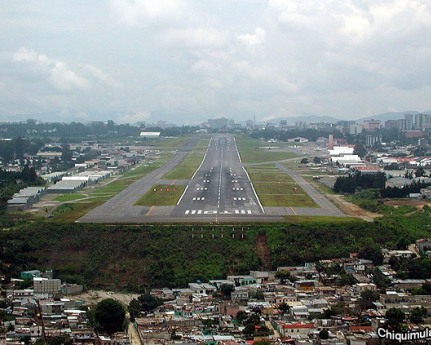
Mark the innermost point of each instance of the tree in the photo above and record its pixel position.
(367, 298)
(284, 308)
(420, 172)
(417, 315)
(134, 309)
(324, 334)
(110, 315)
(372, 253)
(241, 316)
(394, 317)
(360, 150)
(283, 275)
(149, 302)
(226, 290)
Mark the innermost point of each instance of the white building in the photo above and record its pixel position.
(45, 285)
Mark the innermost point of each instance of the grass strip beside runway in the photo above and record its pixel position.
(188, 166)
(257, 151)
(277, 189)
(161, 195)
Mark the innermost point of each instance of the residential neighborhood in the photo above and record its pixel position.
(336, 301)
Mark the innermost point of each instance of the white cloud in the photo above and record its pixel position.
(253, 39)
(195, 38)
(134, 117)
(235, 57)
(149, 12)
(60, 76)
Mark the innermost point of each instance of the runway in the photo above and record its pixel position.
(220, 191)
(220, 187)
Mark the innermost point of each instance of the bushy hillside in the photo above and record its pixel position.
(137, 257)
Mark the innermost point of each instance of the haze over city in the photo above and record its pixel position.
(185, 61)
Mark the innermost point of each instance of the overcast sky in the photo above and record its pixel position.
(185, 61)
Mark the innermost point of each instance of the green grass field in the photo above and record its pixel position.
(188, 166)
(161, 195)
(168, 143)
(69, 197)
(251, 151)
(277, 189)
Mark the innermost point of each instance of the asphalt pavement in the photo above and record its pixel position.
(220, 191)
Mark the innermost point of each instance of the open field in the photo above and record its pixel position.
(320, 219)
(69, 197)
(277, 189)
(188, 166)
(168, 143)
(161, 195)
(252, 151)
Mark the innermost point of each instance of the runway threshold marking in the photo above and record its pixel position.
(150, 210)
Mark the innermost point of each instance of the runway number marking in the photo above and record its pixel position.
(210, 212)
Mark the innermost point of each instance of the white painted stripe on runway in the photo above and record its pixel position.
(249, 211)
(234, 199)
(254, 191)
(187, 212)
(203, 198)
(242, 211)
(179, 200)
(236, 211)
(205, 156)
(200, 211)
(193, 211)
(194, 199)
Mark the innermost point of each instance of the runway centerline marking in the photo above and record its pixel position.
(220, 178)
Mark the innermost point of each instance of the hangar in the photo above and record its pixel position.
(150, 135)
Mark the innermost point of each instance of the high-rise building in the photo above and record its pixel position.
(372, 125)
(331, 142)
(402, 124)
(389, 124)
(421, 120)
(409, 121)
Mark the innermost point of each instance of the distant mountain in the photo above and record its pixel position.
(304, 118)
(392, 115)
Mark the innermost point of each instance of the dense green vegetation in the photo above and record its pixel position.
(349, 184)
(139, 257)
(11, 182)
(110, 316)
